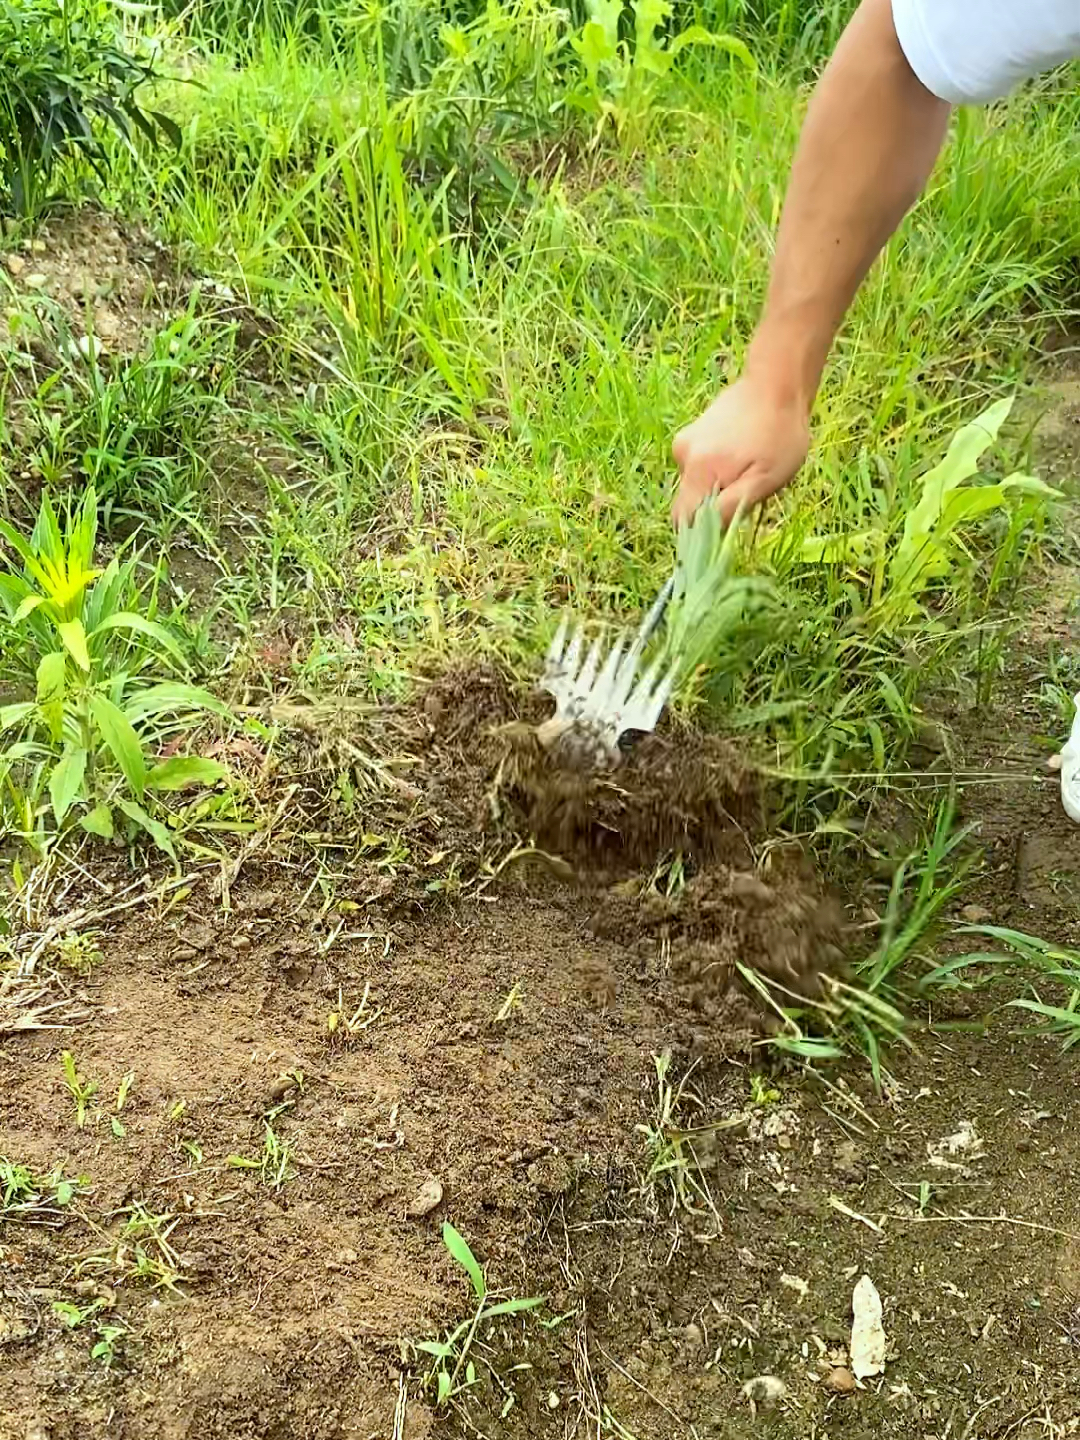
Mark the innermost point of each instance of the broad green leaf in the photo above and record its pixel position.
(434, 1347)
(119, 735)
(27, 607)
(595, 49)
(11, 715)
(512, 1307)
(444, 1387)
(698, 35)
(127, 620)
(960, 463)
(607, 14)
(74, 637)
(51, 676)
(181, 770)
(465, 1258)
(856, 548)
(65, 782)
(154, 828)
(649, 16)
(173, 698)
(98, 821)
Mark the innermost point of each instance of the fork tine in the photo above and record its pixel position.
(655, 615)
(555, 649)
(588, 670)
(625, 676)
(604, 686)
(638, 702)
(662, 694)
(573, 652)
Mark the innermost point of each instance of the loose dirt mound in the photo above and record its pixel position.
(664, 849)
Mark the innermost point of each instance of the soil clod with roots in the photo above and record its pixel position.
(668, 850)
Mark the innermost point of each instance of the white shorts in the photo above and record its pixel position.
(971, 51)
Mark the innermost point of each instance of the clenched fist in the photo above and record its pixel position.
(746, 446)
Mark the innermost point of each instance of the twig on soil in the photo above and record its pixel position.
(81, 918)
(965, 1219)
(399, 1410)
(837, 1204)
(592, 1407)
(230, 869)
(843, 1095)
(22, 1007)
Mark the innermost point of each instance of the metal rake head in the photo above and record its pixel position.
(603, 698)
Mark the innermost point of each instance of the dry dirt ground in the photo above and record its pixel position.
(246, 1227)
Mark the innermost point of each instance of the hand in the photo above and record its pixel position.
(747, 445)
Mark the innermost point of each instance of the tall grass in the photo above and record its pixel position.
(522, 315)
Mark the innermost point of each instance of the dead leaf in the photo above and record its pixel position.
(867, 1331)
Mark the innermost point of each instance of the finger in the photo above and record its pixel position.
(680, 446)
(701, 480)
(752, 487)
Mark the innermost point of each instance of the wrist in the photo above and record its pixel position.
(785, 360)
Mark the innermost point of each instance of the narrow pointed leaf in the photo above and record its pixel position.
(65, 782)
(182, 770)
(154, 828)
(459, 1249)
(119, 735)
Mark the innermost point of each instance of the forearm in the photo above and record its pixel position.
(871, 136)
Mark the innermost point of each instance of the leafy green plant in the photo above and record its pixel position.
(864, 1017)
(106, 1335)
(708, 598)
(81, 1090)
(1054, 964)
(275, 1164)
(88, 736)
(620, 77)
(65, 71)
(137, 428)
(669, 1146)
(140, 1249)
(922, 885)
(454, 1370)
(495, 86)
(29, 1197)
(933, 539)
(76, 950)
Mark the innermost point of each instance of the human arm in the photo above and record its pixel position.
(869, 142)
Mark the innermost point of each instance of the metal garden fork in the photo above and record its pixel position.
(596, 704)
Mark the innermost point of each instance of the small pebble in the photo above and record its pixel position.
(975, 914)
(36, 281)
(15, 264)
(840, 1381)
(428, 1198)
(764, 1390)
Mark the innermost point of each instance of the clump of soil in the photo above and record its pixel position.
(786, 931)
(665, 847)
